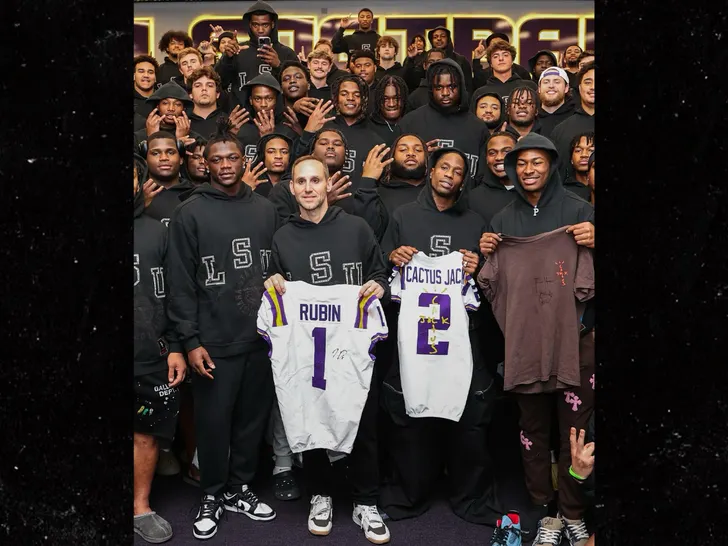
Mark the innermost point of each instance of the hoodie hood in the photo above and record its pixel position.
(463, 105)
(479, 94)
(425, 197)
(265, 7)
(553, 184)
(206, 189)
(532, 60)
(449, 46)
(265, 79)
(170, 90)
(330, 216)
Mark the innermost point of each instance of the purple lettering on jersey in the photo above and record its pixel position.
(319, 358)
(322, 312)
(427, 324)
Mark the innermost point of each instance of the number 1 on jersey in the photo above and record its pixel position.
(319, 358)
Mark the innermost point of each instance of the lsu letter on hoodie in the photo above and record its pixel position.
(238, 70)
(341, 249)
(431, 231)
(456, 126)
(219, 251)
(153, 337)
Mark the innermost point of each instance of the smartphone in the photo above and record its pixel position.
(263, 40)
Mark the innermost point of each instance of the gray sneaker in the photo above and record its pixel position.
(549, 532)
(152, 528)
(575, 531)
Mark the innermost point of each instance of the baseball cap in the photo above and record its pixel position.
(555, 71)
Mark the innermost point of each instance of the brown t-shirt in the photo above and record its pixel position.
(537, 287)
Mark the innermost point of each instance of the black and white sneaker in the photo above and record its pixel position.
(368, 518)
(243, 501)
(208, 517)
(321, 515)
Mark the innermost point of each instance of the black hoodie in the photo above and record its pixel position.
(396, 70)
(562, 135)
(219, 250)
(490, 195)
(456, 128)
(245, 66)
(359, 39)
(168, 72)
(153, 338)
(550, 121)
(419, 97)
(462, 62)
(556, 207)
(503, 89)
(387, 130)
(264, 188)
(164, 203)
(340, 249)
(429, 230)
(169, 90)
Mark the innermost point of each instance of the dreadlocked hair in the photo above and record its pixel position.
(438, 69)
(363, 90)
(588, 135)
(223, 133)
(399, 84)
(522, 91)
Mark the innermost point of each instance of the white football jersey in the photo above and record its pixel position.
(321, 339)
(435, 362)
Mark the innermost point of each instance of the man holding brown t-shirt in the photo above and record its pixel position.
(536, 218)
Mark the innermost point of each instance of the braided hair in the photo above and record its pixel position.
(438, 69)
(363, 90)
(402, 90)
(223, 133)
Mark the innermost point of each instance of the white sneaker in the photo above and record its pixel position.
(167, 464)
(321, 516)
(368, 518)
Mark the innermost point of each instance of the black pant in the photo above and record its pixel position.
(231, 414)
(362, 465)
(419, 448)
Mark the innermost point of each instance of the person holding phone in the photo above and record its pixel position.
(261, 54)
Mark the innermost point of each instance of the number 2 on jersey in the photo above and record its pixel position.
(426, 325)
(319, 358)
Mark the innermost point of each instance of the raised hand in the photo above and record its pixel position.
(153, 121)
(265, 122)
(412, 50)
(375, 162)
(251, 174)
(238, 117)
(269, 56)
(292, 121)
(479, 51)
(348, 22)
(305, 105)
(339, 184)
(182, 126)
(432, 145)
(150, 189)
(318, 118)
(582, 456)
(302, 56)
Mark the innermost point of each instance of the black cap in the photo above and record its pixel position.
(495, 35)
(226, 34)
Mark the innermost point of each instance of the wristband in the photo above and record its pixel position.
(575, 475)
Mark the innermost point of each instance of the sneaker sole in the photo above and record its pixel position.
(320, 532)
(152, 540)
(372, 540)
(251, 516)
(203, 537)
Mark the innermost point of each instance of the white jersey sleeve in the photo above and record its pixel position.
(435, 358)
(321, 340)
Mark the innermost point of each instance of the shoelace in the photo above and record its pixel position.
(208, 507)
(500, 536)
(370, 514)
(577, 531)
(321, 506)
(548, 536)
(250, 497)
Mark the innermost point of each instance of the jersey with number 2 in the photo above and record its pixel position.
(321, 339)
(435, 362)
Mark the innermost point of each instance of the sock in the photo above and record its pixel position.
(279, 469)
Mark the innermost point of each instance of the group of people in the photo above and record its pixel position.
(262, 175)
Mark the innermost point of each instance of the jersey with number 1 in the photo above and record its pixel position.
(321, 340)
(435, 361)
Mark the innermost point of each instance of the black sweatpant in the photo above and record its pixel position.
(574, 407)
(361, 466)
(419, 448)
(231, 414)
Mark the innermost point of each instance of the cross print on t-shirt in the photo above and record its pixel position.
(561, 273)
